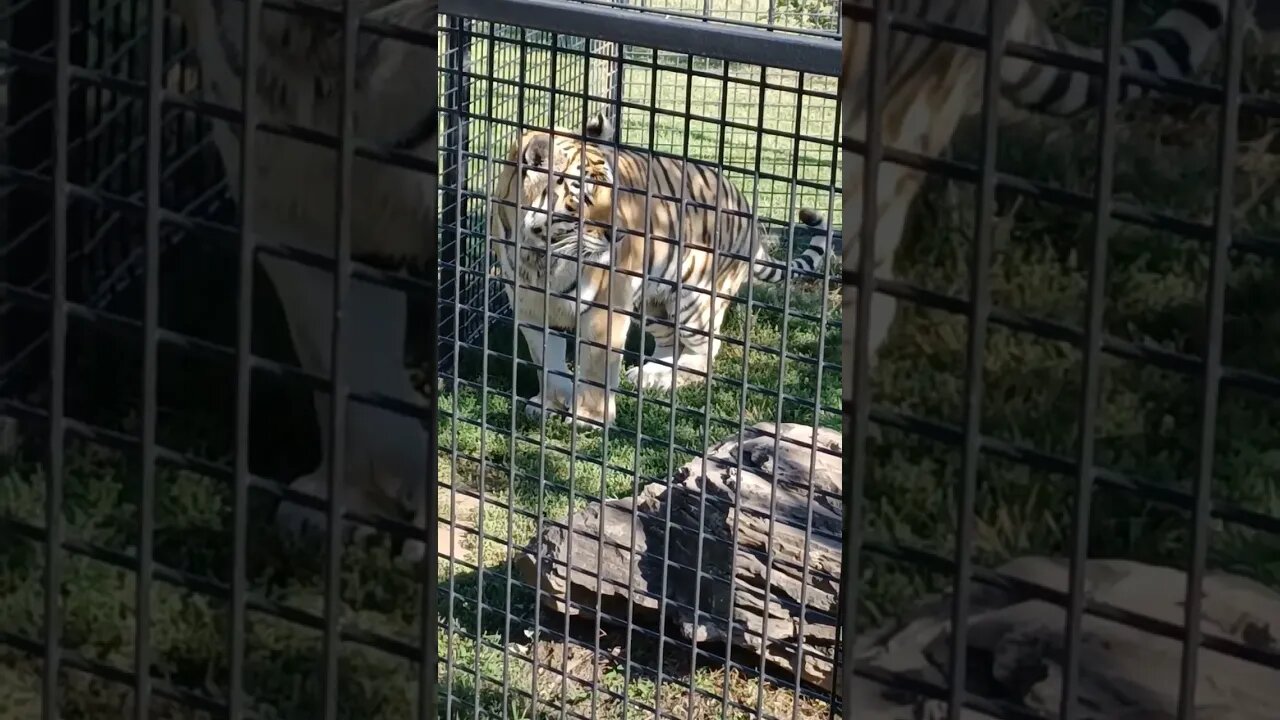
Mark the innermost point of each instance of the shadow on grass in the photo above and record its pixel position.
(489, 659)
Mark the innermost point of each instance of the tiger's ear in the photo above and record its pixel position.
(599, 127)
(537, 150)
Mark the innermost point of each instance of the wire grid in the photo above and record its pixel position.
(619, 85)
(1091, 468)
(465, 155)
(508, 477)
(80, 185)
(106, 250)
(1232, 377)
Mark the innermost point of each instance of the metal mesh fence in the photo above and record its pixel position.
(801, 17)
(1082, 368)
(105, 254)
(1049, 383)
(483, 72)
(508, 480)
(128, 303)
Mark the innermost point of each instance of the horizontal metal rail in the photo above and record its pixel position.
(720, 19)
(673, 34)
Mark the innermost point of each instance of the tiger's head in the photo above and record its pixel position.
(560, 181)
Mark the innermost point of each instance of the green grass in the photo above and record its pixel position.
(1147, 428)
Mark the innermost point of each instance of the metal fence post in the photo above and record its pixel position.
(455, 219)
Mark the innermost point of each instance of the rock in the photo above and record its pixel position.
(1016, 627)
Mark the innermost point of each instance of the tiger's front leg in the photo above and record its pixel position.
(548, 348)
(602, 335)
(384, 470)
(553, 370)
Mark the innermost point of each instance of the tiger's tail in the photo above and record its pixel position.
(807, 262)
(1175, 47)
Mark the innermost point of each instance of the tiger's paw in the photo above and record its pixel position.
(557, 394)
(658, 376)
(297, 522)
(557, 403)
(652, 376)
(555, 400)
(536, 407)
(303, 526)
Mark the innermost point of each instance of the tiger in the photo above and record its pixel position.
(605, 188)
(298, 73)
(931, 85)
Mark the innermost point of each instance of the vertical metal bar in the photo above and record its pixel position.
(487, 305)
(824, 318)
(645, 259)
(454, 215)
(150, 322)
(797, 131)
(338, 386)
(57, 364)
(516, 236)
(490, 142)
(1216, 301)
(517, 232)
(244, 359)
(461, 41)
(612, 234)
(428, 674)
(608, 352)
(979, 311)
(670, 465)
(552, 174)
(614, 239)
(1095, 307)
(857, 407)
(782, 368)
(681, 289)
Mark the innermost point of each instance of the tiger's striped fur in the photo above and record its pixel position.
(598, 184)
(931, 85)
(297, 74)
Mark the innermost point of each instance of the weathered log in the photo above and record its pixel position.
(760, 578)
(736, 580)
